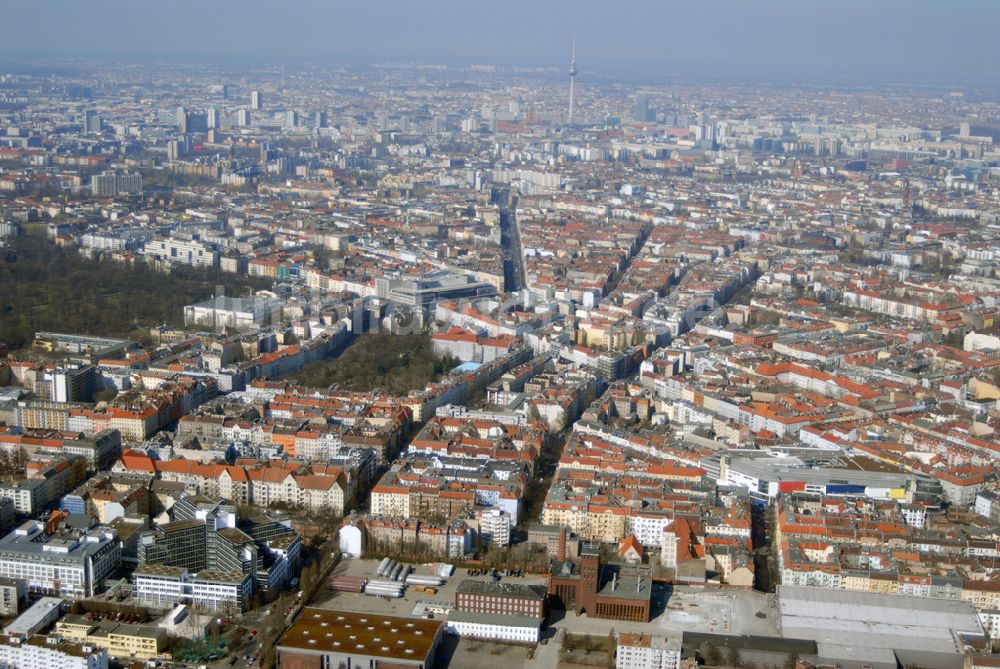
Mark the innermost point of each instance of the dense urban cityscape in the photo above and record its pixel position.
(409, 366)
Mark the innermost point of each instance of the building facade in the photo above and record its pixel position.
(511, 629)
(642, 651)
(503, 599)
(599, 590)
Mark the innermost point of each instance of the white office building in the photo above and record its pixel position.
(233, 313)
(182, 252)
(163, 586)
(516, 629)
(221, 591)
(160, 585)
(70, 563)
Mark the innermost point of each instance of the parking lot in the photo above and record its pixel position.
(719, 611)
(458, 653)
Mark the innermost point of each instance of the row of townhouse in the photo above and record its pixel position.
(890, 305)
(452, 539)
(607, 519)
(317, 487)
(815, 564)
(139, 415)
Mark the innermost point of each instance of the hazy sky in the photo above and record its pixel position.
(862, 40)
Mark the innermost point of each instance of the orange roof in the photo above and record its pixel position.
(137, 461)
(630, 543)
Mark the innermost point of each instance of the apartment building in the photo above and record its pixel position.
(41, 652)
(644, 651)
(122, 641)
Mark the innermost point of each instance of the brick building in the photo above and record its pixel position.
(600, 590)
(511, 599)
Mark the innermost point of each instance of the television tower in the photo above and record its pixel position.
(572, 79)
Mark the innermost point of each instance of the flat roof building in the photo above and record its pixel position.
(235, 313)
(642, 651)
(749, 649)
(500, 599)
(321, 638)
(853, 628)
(123, 641)
(37, 617)
(51, 653)
(207, 590)
(432, 287)
(513, 629)
(83, 347)
(70, 562)
(12, 594)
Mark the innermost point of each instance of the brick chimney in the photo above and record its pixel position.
(561, 548)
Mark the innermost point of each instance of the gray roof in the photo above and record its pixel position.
(37, 612)
(793, 469)
(850, 626)
(519, 590)
(229, 577)
(71, 547)
(160, 570)
(627, 585)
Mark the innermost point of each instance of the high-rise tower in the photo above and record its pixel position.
(572, 79)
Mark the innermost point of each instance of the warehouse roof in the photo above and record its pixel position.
(324, 631)
(861, 626)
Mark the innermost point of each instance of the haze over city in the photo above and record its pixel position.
(850, 41)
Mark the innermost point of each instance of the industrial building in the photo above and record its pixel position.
(322, 639)
(39, 616)
(854, 629)
(508, 599)
(750, 649)
(600, 590)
